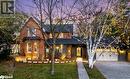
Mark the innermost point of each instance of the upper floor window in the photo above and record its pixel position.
(50, 35)
(67, 35)
(31, 32)
(61, 35)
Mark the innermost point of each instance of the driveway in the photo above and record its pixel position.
(114, 70)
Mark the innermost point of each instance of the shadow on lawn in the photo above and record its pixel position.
(40, 71)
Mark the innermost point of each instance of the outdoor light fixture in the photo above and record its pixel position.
(17, 59)
(69, 51)
(62, 62)
(122, 51)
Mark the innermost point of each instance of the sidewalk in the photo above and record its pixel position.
(81, 70)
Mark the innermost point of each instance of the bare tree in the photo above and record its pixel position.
(53, 13)
(93, 23)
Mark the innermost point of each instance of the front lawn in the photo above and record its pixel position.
(93, 73)
(42, 71)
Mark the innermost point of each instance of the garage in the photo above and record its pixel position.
(106, 55)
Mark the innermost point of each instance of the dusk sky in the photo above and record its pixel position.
(27, 6)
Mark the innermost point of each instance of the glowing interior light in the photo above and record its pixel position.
(57, 47)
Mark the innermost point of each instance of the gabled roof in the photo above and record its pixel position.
(57, 27)
(30, 18)
(65, 28)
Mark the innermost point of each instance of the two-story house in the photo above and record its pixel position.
(35, 42)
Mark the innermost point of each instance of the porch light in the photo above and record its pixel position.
(17, 59)
(122, 51)
(67, 61)
(73, 60)
(47, 59)
(70, 61)
(29, 58)
(69, 51)
(62, 62)
(56, 59)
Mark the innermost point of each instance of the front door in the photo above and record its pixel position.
(79, 52)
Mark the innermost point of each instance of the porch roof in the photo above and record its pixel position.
(65, 41)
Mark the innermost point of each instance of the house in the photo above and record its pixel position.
(34, 45)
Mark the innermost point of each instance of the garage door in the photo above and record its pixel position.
(107, 56)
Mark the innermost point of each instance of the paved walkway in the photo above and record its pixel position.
(114, 70)
(81, 70)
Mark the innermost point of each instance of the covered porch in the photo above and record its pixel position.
(67, 48)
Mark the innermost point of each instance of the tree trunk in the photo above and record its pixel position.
(90, 62)
(53, 60)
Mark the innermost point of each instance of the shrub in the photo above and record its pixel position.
(4, 55)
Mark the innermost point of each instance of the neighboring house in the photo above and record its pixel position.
(34, 46)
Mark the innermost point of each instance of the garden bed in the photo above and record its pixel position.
(93, 73)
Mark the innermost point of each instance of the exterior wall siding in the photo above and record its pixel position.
(31, 23)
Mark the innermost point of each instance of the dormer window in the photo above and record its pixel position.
(31, 32)
(50, 35)
(61, 35)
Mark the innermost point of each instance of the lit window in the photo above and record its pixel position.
(50, 35)
(57, 48)
(47, 50)
(31, 32)
(35, 47)
(61, 35)
(29, 47)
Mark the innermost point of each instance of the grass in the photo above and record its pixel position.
(93, 73)
(42, 71)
